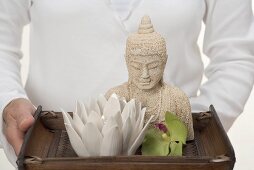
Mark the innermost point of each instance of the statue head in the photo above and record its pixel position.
(146, 56)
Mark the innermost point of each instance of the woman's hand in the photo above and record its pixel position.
(18, 117)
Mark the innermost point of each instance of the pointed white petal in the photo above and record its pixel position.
(78, 109)
(66, 116)
(95, 118)
(133, 108)
(118, 119)
(127, 129)
(122, 104)
(94, 106)
(81, 111)
(132, 114)
(142, 116)
(92, 139)
(126, 112)
(76, 141)
(112, 142)
(138, 108)
(138, 141)
(138, 120)
(110, 122)
(114, 96)
(87, 105)
(111, 107)
(137, 125)
(101, 101)
(77, 124)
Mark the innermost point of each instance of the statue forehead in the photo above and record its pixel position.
(148, 56)
(145, 58)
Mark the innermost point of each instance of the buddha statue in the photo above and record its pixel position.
(146, 57)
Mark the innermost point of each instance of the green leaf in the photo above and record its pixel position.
(170, 116)
(154, 144)
(176, 149)
(177, 129)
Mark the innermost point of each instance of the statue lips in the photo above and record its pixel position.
(145, 83)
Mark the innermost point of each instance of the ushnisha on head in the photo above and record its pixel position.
(146, 56)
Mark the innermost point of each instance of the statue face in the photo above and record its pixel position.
(145, 71)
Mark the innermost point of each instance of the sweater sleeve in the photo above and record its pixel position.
(14, 14)
(228, 42)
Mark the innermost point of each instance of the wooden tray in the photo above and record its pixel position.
(47, 147)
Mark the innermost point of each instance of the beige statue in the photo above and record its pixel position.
(146, 57)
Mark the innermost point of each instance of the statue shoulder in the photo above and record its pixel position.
(121, 90)
(176, 93)
(178, 98)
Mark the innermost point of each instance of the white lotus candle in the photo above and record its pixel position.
(106, 127)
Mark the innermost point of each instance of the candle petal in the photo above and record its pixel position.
(112, 142)
(76, 141)
(92, 139)
(138, 141)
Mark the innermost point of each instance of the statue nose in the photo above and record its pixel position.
(145, 73)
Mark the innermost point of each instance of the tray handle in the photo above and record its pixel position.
(21, 156)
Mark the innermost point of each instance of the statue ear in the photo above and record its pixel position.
(127, 62)
(126, 58)
(166, 58)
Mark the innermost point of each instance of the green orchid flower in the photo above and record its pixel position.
(165, 139)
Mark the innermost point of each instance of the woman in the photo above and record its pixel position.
(77, 50)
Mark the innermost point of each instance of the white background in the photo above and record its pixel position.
(241, 134)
